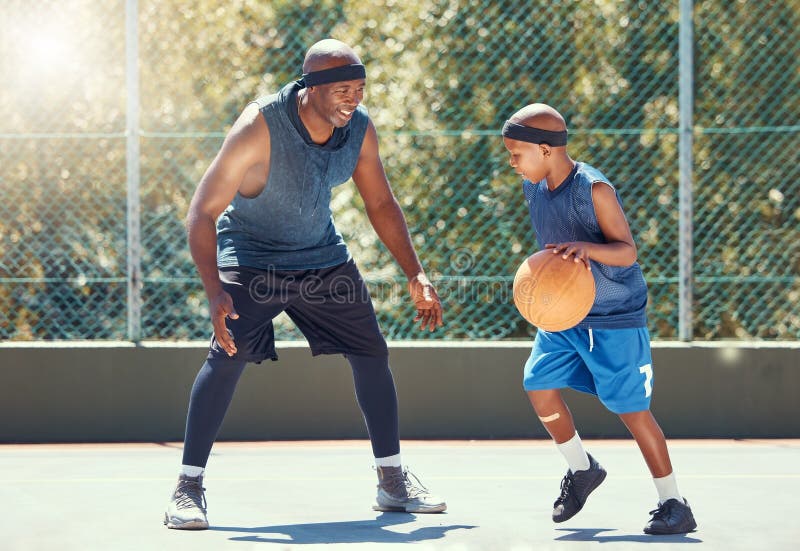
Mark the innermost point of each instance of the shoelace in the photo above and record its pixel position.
(190, 494)
(661, 513)
(414, 488)
(566, 486)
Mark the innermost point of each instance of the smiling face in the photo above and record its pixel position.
(529, 160)
(336, 102)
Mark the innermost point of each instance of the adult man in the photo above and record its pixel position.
(274, 248)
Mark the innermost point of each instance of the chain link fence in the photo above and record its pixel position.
(443, 75)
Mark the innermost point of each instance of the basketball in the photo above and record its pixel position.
(552, 293)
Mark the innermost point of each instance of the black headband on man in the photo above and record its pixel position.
(534, 135)
(355, 71)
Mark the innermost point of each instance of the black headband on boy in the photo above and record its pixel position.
(534, 135)
(355, 71)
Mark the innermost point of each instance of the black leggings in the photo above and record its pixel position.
(215, 383)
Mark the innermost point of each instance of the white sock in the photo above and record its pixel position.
(667, 487)
(573, 452)
(391, 461)
(191, 470)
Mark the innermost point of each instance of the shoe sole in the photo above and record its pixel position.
(591, 489)
(671, 533)
(190, 525)
(403, 509)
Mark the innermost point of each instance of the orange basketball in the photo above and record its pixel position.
(552, 293)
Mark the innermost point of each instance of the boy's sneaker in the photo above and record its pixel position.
(671, 517)
(575, 488)
(400, 490)
(187, 509)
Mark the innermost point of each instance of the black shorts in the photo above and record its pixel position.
(331, 307)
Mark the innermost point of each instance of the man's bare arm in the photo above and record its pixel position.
(245, 151)
(387, 218)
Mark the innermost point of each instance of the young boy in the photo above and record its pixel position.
(576, 213)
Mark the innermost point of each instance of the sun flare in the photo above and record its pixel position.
(42, 52)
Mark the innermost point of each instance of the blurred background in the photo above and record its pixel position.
(110, 112)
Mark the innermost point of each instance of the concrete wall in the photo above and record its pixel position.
(83, 392)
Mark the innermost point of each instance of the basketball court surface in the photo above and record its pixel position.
(315, 495)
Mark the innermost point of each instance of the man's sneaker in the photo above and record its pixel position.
(400, 490)
(671, 517)
(575, 488)
(187, 509)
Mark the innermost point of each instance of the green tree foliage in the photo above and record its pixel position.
(443, 75)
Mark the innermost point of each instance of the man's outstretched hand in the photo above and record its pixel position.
(426, 301)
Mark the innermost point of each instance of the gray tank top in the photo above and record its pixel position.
(289, 225)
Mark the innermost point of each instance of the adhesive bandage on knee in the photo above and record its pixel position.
(550, 418)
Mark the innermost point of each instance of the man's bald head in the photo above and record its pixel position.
(539, 115)
(327, 54)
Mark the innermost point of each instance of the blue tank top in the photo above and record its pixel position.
(289, 225)
(567, 214)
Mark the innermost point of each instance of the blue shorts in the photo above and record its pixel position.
(331, 307)
(613, 364)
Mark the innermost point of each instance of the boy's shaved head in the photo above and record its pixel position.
(539, 115)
